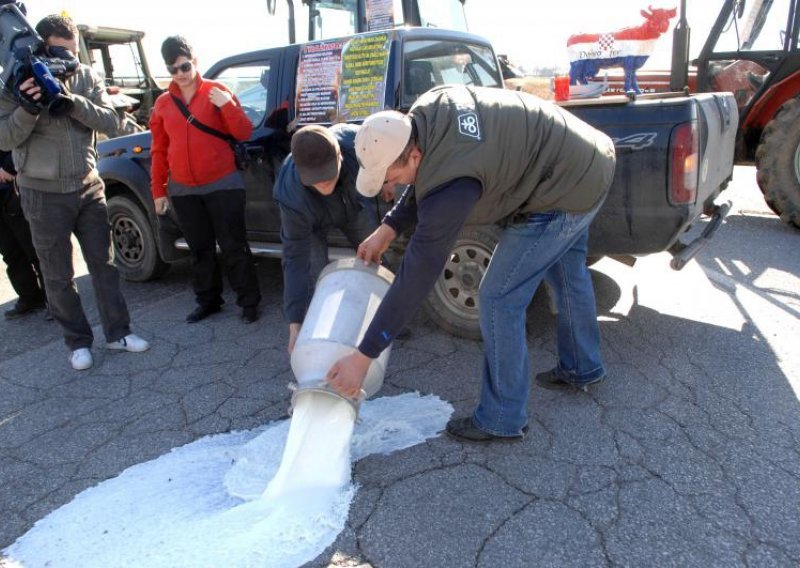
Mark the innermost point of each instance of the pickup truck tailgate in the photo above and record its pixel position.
(641, 214)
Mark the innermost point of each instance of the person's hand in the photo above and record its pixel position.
(373, 247)
(30, 89)
(6, 177)
(218, 97)
(347, 375)
(162, 205)
(30, 95)
(294, 331)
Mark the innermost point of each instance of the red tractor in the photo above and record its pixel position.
(753, 52)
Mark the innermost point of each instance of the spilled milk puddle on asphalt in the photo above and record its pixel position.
(228, 500)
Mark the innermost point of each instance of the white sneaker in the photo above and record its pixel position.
(81, 359)
(130, 342)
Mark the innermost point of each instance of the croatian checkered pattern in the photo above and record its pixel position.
(606, 42)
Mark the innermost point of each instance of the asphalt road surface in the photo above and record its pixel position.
(688, 455)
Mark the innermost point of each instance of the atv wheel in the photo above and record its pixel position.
(778, 163)
(453, 302)
(134, 242)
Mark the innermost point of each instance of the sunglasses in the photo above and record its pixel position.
(184, 67)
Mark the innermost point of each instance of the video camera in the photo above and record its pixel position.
(24, 54)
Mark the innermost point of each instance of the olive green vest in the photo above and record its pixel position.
(529, 155)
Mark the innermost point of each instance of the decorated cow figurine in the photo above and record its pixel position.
(628, 48)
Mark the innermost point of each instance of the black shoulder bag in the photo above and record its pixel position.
(239, 150)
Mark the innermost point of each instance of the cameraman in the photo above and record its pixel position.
(62, 193)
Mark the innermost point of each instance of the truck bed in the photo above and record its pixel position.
(639, 216)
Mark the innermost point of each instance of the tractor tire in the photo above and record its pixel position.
(778, 163)
(453, 302)
(133, 239)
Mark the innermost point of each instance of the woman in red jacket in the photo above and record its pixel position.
(198, 172)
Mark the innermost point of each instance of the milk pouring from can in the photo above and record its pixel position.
(346, 298)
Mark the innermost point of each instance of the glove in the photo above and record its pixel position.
(29, 104)
(61, 105)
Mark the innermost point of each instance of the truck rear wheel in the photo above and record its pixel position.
(778, 163)
(453, 302)
(134, 241)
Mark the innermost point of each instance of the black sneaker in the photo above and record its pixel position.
(24, 308)
(465, 430)
(201, 313)
(250, 314)
(555, 379)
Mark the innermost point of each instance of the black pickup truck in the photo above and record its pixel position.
(675, 153)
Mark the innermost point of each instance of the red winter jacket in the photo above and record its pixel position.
(181, 151)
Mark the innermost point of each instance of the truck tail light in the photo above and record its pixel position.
(684, 160)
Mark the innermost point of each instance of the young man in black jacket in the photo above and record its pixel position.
(316, 192)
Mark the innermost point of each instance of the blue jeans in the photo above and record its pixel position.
(548, 246)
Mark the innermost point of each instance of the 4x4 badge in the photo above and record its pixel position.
(468, 125)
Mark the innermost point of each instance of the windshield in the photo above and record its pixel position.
(334, 19)
(762, 28)
(337, 18)
(427, 64)
(442, 14)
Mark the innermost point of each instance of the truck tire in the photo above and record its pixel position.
(453, 302)
(778, 163)
(134, 241)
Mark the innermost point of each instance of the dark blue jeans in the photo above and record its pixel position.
(53, 218)
(548, 246)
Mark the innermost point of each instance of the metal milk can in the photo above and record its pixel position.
(345, 300)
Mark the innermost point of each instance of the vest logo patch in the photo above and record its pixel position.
(468, 125)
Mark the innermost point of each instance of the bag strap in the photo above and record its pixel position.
(199, 125)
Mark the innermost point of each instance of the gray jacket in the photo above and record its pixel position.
(58, 155)
(529, 155)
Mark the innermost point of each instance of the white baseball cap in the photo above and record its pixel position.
(379, 142)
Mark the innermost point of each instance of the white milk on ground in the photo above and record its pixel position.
(202, 505)
(317, 451)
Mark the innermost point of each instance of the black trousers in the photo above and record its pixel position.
(16, 247)
(208, 220)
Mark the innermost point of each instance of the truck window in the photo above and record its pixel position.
(762, 28)
(96, 59)
(334, 19)
(427, 64)
(249, 83)
(448, 14)
(127, 69)
(118, 64)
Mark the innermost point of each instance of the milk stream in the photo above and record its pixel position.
(317, 451)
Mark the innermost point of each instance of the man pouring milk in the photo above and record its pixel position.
(480, 156)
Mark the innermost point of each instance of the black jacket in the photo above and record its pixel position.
(7, 163)
(306, 214)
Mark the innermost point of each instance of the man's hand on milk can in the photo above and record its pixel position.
(347, 375)
(372, 248)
